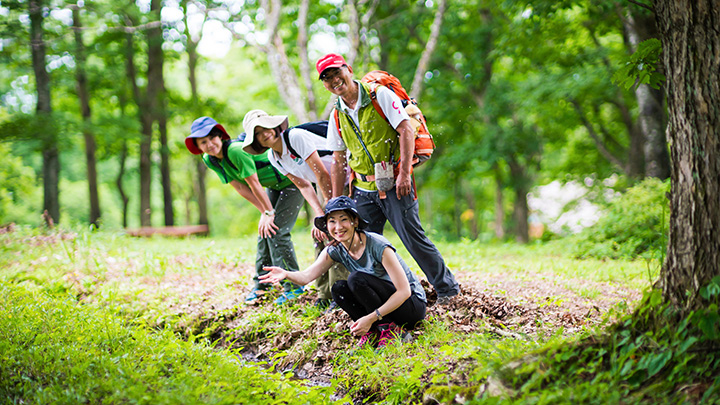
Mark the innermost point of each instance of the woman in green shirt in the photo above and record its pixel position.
(278, 204)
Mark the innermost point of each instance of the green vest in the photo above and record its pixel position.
(238, 164)
(380, 139)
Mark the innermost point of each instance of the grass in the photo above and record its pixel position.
(173, 308)
(55, 350)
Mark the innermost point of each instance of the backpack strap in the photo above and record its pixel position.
(375, 102)
(286, 137)
(225, 145)
(337, 121)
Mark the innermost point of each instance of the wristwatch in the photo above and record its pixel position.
(270, 213)
(377, 313)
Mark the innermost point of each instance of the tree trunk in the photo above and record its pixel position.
(84, 96)
(422, 67)
(305, 69)
(119, 183)
(499, 204)
(145, 118)
(156, 83)
(473, 222)
(51, 156)
(691, 40)
(520, 207)
(457, 191)
(200, 189)
(640, 26)
(202, 194)
(156, 101)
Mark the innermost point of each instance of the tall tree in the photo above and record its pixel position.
(84, 96)
(639, 25)
(691, 40)
(193, 57)
(424, 62)
(144, 99)
(51, 155)
(157, 98)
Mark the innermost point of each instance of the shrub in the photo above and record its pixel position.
(633, 226)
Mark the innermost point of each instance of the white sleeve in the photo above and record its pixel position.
(334, 142)
(391, 105)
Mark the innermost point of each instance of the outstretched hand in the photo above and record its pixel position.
(273, 276)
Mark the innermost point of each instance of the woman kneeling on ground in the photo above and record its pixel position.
(381, 294)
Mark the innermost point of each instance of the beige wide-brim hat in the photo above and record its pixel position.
(259, 118)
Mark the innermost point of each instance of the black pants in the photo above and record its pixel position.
(362, 293)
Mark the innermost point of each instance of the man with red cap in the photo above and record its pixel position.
(379, 146)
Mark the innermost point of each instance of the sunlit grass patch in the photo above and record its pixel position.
(53, 350)
(194, 287)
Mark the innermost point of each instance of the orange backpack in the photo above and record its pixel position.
(424, 145)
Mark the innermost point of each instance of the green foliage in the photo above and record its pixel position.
(53, 350)
(633, 225)
(642, 358)
(17, 188)
(641, 66)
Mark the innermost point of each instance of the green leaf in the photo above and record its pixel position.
(656, 363)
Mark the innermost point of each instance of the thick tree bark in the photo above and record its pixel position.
(89, 137)
(640, 26)
(51, 156)
(691, 58)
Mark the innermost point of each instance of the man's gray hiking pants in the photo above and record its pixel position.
(404, 216)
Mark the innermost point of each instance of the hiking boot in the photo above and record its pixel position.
(332, 307)
(322, 303)
(445, 300)
(370, 338)
(255, 293)
(288, 296)
(388, 333)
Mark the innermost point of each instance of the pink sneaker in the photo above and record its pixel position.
(389, 332)
(370, 338)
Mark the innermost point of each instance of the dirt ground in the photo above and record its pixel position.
(511, 305)
(516, 306)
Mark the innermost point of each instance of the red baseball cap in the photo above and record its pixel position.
(331, 60)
